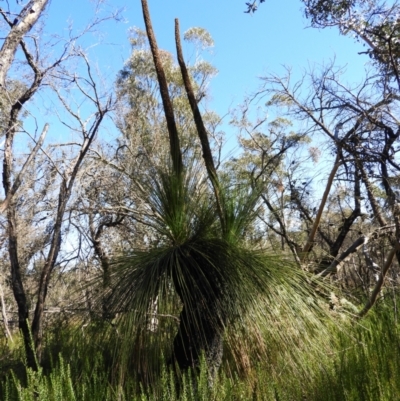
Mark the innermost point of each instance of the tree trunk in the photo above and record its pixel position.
(196, 338)
(105, 267)
(66, 187)
(47, 269)
(4, 315)
(19, 291)
(310, 240)
(202, 323)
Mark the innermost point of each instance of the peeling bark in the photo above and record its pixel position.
(26, 19)
(371, 197)
(4, 315)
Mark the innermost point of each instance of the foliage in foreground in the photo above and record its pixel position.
(361, 362)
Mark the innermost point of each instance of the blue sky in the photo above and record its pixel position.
(246, 46)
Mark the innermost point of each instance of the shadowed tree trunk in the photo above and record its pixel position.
(189, 344)
(201, 327)
(18, 290)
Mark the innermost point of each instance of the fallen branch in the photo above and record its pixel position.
(379, 283)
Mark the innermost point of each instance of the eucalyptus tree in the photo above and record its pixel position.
(38, 177)
(360, 124)
(373, 141)
(373, 23)
(273, 157)
(357, 128)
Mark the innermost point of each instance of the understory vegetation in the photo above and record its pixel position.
(359, 361)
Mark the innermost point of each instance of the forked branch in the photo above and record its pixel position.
(313, 231)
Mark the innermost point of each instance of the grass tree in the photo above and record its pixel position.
(199, 264)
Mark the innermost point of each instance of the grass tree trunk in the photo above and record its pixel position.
(194, 340)
(202, 322)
